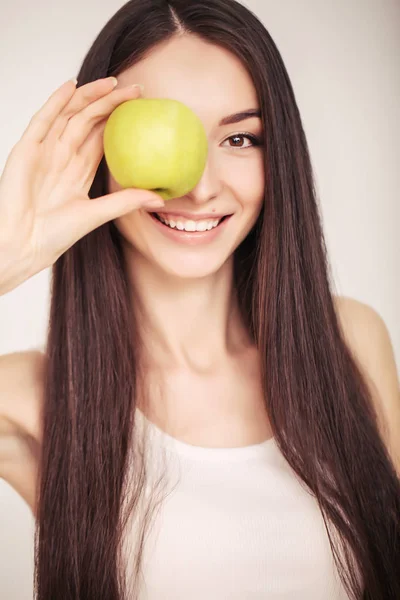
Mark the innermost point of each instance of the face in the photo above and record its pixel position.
(214, 84)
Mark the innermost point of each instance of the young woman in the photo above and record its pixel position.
(217, 364)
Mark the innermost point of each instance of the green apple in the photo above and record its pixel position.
(157, 144)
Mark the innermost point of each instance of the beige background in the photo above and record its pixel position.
(343, 59)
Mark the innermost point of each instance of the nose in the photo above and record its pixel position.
(209, 186)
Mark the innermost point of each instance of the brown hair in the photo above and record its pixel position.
(317, 400)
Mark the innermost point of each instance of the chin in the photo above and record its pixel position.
(188, 268)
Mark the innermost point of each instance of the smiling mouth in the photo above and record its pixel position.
(177, 226)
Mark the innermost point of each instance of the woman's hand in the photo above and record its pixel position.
(44, 202)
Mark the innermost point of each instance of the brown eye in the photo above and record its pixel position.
(238, 138)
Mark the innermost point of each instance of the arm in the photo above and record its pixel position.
(21, 376)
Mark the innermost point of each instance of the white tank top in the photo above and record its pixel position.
(236, 524)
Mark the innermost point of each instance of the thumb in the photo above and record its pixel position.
(105, 208)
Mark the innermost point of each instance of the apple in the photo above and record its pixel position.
(157, 144)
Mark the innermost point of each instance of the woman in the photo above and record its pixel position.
(225, 348)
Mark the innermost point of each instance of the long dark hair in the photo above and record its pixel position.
(317, 400)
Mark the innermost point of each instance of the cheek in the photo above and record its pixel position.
(247, 182)
(130, 227)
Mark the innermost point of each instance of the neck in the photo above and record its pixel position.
(192, 324)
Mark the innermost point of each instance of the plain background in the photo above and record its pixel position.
(343, 60)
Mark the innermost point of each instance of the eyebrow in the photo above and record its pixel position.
(240, 116)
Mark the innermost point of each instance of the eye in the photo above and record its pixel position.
(255, 141)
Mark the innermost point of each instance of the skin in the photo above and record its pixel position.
(188, 310)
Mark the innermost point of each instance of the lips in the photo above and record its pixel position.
(189, 238)
(157, 216)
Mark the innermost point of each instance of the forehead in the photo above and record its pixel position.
(209, 79)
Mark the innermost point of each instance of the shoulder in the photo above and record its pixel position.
(369, 341)
(21, 390)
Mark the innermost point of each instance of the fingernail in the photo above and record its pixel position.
(137, 85)
(154, 203)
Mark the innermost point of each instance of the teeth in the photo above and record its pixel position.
(190, 225)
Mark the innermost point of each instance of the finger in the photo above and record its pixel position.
(84, 96)
(43, 119)
(92, 150)
(95, 212)
(80, 126)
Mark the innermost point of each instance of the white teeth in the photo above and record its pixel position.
(189, 225)
(202, 226)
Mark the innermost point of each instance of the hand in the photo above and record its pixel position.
(44, 202)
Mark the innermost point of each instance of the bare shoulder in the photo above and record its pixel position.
(368, 338)
(21, 391)
(21, 394)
